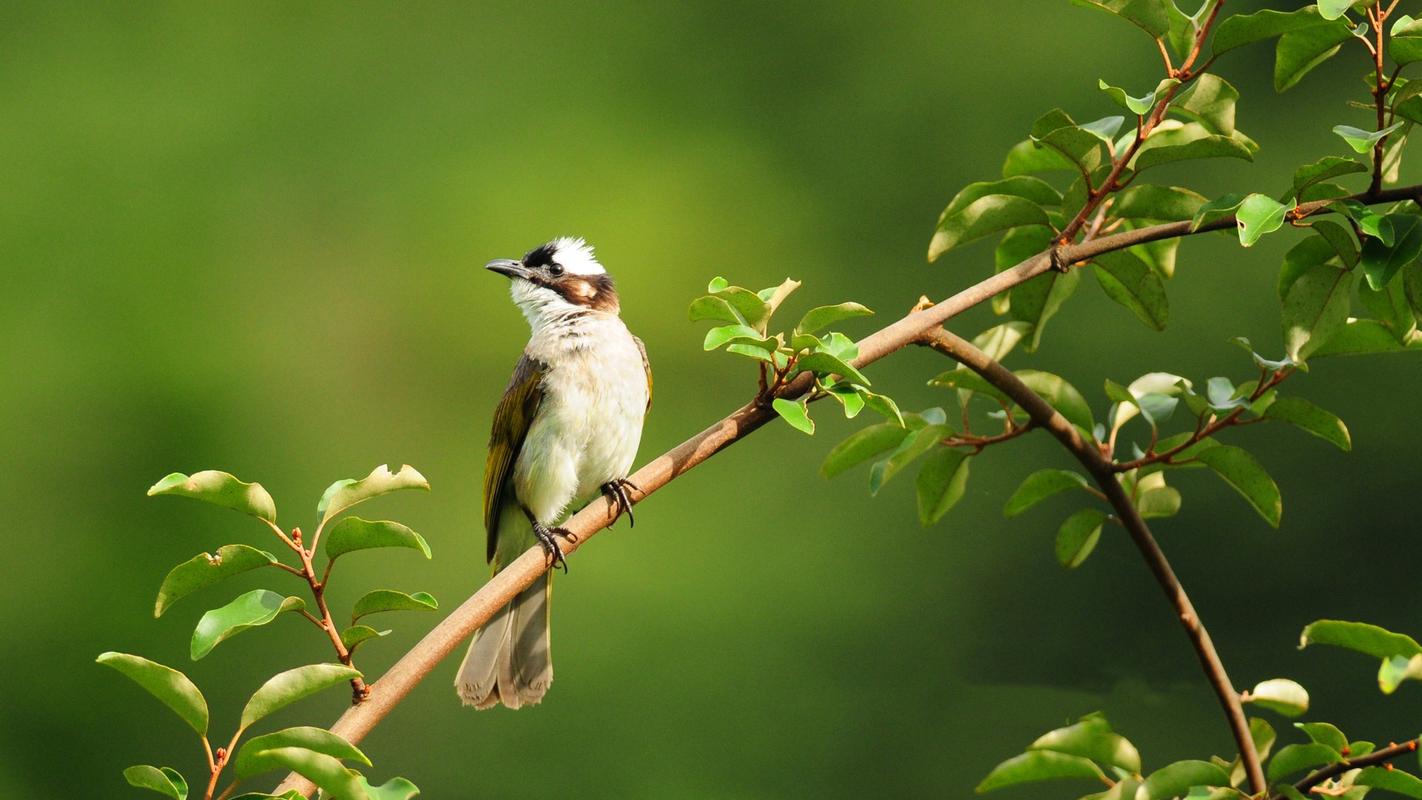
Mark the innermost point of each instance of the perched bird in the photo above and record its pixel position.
(566, 430)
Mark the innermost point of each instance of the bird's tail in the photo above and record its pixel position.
(509, 661)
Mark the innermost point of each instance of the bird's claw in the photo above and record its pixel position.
(548, 537)
(616, 493)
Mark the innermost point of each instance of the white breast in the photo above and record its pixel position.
(589, 424)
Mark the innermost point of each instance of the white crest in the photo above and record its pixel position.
(575, 255)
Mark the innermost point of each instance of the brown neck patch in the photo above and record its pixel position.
(589, 291)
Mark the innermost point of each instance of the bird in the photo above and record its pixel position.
(566, 430)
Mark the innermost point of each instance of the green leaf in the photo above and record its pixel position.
(1028, 157)
(204, 569)
(1390, 307)
(328, 773)
(1061, 395)
(883, 405)
(1209, 100)
(343, 494)
(170, 686)
(1082, 146)
(1148, 15)
(1189, 141)
(165, 781)
(1158, 503)
(379, 600)
(1362, 141)
(775, 295)
(291, 795)
(983, 217)
(1166, 203)
(743, 334)
(250, 761)
(1333, 9)
(1302, 49)
(1360, 637)
(354, 533)
(1279, 695)
(1297, 758)
(1365, 337)
(356, 634)
(1315, 308)
(1240, 470)
(967, 380)
(1309, 417)
(1259, 214)
(1324, 169)
(713, 308)
(1405, 42)
(1038, 765)
(393, 789)
(1127, 280)
(862, 446)
(1215, 210)
(220, 489)
(1140, 106)
(823, 316)
(1381, 262)
(940, 483)
(1177, 779)
(1092, 738)
(257, 607)
(1241, 29)
(1390, 780)
(1039, 486)
(1397, 669)
(826, 365)
(718, 284)
(911, 448)
(1325, 734)
(285, 688)
(1077, 537)
(795, 413)
(849, 397)
(1038, 191)
(750, 306)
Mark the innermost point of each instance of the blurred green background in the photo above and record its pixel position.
(249, 237)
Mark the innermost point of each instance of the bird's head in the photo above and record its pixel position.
(556, 279)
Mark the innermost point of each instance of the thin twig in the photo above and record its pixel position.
(1042, 413)
(1334, 770)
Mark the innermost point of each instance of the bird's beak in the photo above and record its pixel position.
(507, 266)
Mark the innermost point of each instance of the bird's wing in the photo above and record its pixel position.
(647, 365)
(511, 422)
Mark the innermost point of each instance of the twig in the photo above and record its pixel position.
(1334, 770)
(1103, 471)
(386, 693)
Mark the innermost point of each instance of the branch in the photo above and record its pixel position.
(1090, 456)
(1334, 770)
(392, 687)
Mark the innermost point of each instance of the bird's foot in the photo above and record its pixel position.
(548, 537)
(616, 493)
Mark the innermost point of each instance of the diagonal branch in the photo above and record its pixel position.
(395, 684)
(1380, 756)
(1091, 457)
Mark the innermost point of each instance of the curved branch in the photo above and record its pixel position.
(1334, 770)
(392, 687)
(1091, 457)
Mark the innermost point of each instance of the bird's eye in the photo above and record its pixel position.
(555, 270)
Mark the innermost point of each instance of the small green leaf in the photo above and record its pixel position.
(1360, 637)
(883, 405)
(1038, 191)
(967, 380)
(1259, 214)
(1333, 9)
(1381, 262)
(1325, 734)
(1240, 470)
(257, 607)
(165, 781)
(170, 686)
(1311, 418)
(1209, 100)
(1039, 486)
(354, 533)
(1315, 309)
(379, 600)
(1365, 337)
(1326, 168)
(1215, 210)
(1158, 503)
(1405, 41)
(1241, 29)
(1302, 49)
(825, 365)
(775, 295)
(1281, 696)
(285, 688)
(355, 634)
(393, 789)
(333, 777)
(1167, 203)
(941, 483)
(1028, 157)
(1061, 395)
(795, 413)
(983, 217)
(220, 489)
(1362, 141)
(1178, 778)
(848, 396)
(1140, 106)
(343, 494)
(249, 760)
(1038, 765)
(1172, 143)
(909, 449)
(818, 318)
(204, 569)
(1092, 738)
(1127, 280)
(1148, 15)
(1397, 669)
(1077, 537)
(862, 446)
(1297, 758)
(743, 334)
(1390, 780)
(715, 309)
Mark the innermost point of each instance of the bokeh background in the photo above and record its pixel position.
(249, 237)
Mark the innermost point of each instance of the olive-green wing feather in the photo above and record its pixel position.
(646, 365)
(511, 422)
